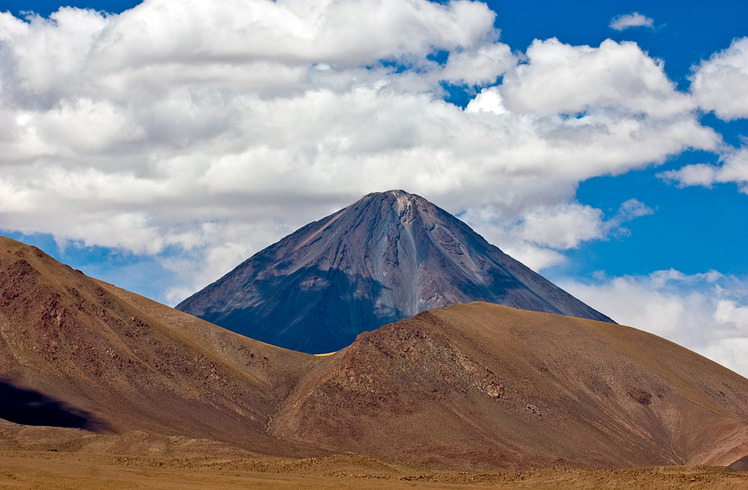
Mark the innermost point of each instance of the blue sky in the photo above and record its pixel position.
(601, 143)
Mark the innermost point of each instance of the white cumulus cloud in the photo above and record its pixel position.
(614, 78)
(538, 237)
(626, 21)
(719, 83)
(733, 168)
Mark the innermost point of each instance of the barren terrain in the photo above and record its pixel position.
(51, 470)
(484, 385)
(101, 387)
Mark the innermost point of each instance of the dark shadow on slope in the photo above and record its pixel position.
(29, 407)
(312, 310)
(740, 465)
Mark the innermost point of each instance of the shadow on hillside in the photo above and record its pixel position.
(29, 407)
(310, 310)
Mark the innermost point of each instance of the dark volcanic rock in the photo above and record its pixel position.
(386, 257)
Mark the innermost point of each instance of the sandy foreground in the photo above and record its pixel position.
(49, 469)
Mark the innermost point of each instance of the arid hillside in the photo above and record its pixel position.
(487, 385)
(474, 386)
(78, 352)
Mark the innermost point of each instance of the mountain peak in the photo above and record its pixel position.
(385, 257)
(395, 206)
(395, 194)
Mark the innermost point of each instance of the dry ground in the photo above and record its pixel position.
(170, 401)
(50, 470)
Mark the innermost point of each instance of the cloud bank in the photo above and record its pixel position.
(171, 124)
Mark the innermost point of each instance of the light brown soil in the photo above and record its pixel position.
(51, 470)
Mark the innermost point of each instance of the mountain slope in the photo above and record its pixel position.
(384, 258)
(470, 385)
(485, 385)
(77, 352)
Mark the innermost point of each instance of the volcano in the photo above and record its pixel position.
(386, 257)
